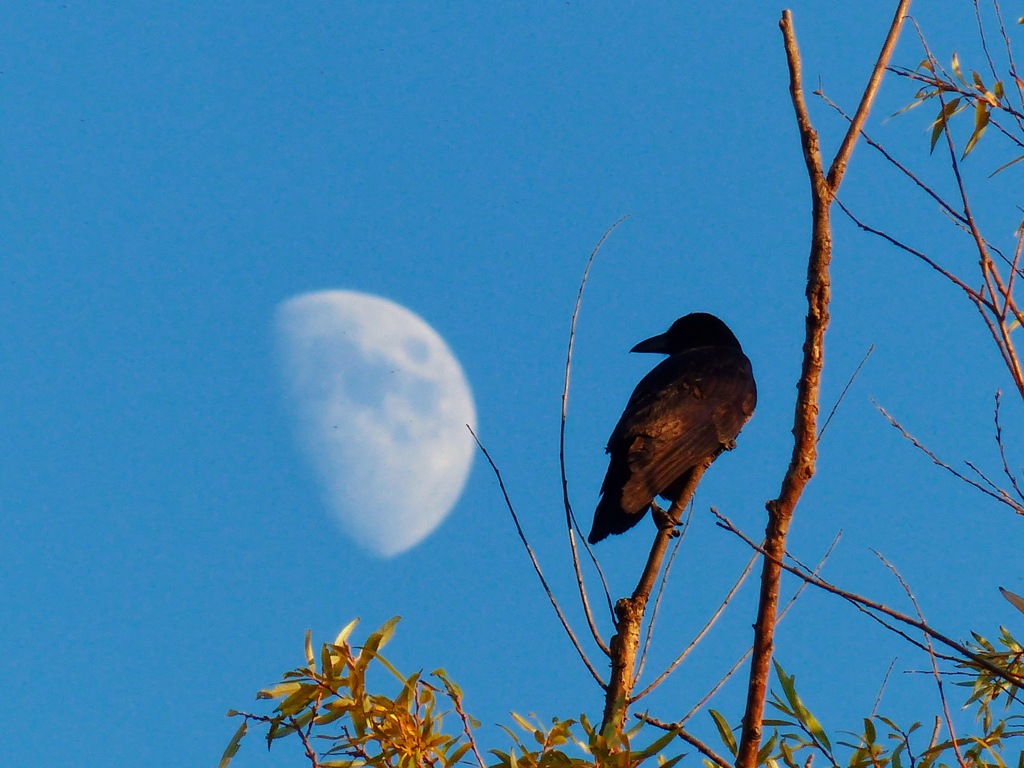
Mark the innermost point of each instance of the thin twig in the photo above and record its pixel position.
(971, 292)
(536, 565)
(457, 703)
(1002, 496)
(1009, 56)
(845, 390)
(700, 635)
(782, 614)
(570, 517)
(851, 597)
(881, 689)
(893, 161)
(931, 656)
(984, 41)
(1002, 449)
(693, 741)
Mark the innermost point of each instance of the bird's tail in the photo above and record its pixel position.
(610, 517)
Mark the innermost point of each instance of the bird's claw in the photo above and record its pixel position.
(663, 519)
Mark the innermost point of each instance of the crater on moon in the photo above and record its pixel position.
(382, 405)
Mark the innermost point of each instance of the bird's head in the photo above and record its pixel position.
(698, 329)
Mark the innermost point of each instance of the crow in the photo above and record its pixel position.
(687, 410)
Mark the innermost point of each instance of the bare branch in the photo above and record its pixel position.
(536, 565)
(693, 741)
(570, 517)
(1002, 496)
(805, 431)
(835, 173)
(661, 590)
(971, 292)
(897, 164)
(1002, 450)
(881, 689)
(849, 383)
(629, 611)
(851, 597)
(700, 635)
(931, 656)
(782, 614)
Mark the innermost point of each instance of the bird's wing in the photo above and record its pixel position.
(686, 410)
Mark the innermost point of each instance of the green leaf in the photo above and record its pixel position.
(298, 700)
(387, 631)
(869, 731)
(326, 664)
(310, 659)
(343, 635)
(232, 748)
(947, 111)
(657, 745)
(331, 716)
(523, 722)
(456, 755)
(1014, 599)
(956, 69)
(803, 714)
(724, 731)
(282, 689)
(787, 754)
(981, 117)
(669, 763)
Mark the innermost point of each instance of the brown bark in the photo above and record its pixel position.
(805, 434)
(630, 611)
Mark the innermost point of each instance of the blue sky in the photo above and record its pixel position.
(173, 173)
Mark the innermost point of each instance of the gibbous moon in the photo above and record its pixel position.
(382, 405)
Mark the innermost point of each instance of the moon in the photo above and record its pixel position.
(382, 407)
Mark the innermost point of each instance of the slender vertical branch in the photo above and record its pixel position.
(835, 173)
(805, 429)
(570, 518)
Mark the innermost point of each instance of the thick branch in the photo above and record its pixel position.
(805, 430)
(629, 611)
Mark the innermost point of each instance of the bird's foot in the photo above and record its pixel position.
(663, 519)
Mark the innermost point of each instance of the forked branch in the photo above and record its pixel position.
(805, 429)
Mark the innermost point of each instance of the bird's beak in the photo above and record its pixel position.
(654, 344)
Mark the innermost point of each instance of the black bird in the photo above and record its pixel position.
(688, 409)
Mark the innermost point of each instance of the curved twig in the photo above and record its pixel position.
(570, 517)
(536, 565)
(700, 635)
(782, 614)
(931, 657)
